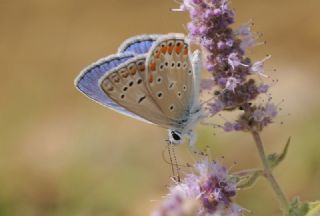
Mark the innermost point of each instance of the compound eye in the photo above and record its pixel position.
(175, 136)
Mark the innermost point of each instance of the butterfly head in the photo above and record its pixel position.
(175, 137)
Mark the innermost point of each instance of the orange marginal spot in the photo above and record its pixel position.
(152, 66)
(178, 49)
(110, 88)
(170, 49)
(133, 71)
(150, 78)
(141, 68)
(157, 54)
(124, 73)
(164, 49)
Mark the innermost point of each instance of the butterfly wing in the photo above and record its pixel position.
(170, 76)
(138, 44)
(87, 82)
(125, 85)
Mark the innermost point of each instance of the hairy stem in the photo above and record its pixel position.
(268, 174)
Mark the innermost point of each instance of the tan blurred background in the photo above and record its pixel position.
(61, 154)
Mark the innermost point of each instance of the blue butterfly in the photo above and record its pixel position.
(152, 78)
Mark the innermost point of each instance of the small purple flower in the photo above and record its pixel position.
(234, 60)
(255, 118)
(248, 38)
(271, 110)
(209, 14)
(258, 115)
(232, 83)
(228, 126)
(207, 192)
(221, 45)
(194, 13)
(216, 106)
(263, 88)
(217, 12)
(258, 67)
(196, 2)
(222, 81)
(206, 84)
(193, 29)
(210, 67)
(265, 113)
(229, 42)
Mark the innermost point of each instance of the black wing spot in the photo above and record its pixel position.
(159, 79)
(139, 81)
(171, 85)
(171, 107)
(125, 88)
(160, 94)
(141, 99)
(122, 96)
(185, 65)
(131, 83)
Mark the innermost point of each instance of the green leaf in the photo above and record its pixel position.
(314, 209)
(297, 208)
(247, 178)
(274, 159)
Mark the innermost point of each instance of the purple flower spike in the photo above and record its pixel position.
(208, 192)
(225, 51)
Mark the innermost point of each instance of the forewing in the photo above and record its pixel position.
(170, 76)
(87, 82)
(138, 44)
(126, 86)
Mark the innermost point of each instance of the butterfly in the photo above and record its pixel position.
(152, 78)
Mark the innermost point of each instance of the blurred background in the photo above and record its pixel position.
(61, 154)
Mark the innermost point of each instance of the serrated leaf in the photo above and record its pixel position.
(248, 178)
(297, 208)
(314, 209)
(275, 158)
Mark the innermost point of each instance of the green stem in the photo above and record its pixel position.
(268, 174)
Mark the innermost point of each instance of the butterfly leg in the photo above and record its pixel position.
(196, 61)
(192, 139)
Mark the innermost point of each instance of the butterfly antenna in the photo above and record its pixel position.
(176, 163)
(171, 163)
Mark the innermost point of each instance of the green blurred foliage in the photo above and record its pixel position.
(62, 154)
